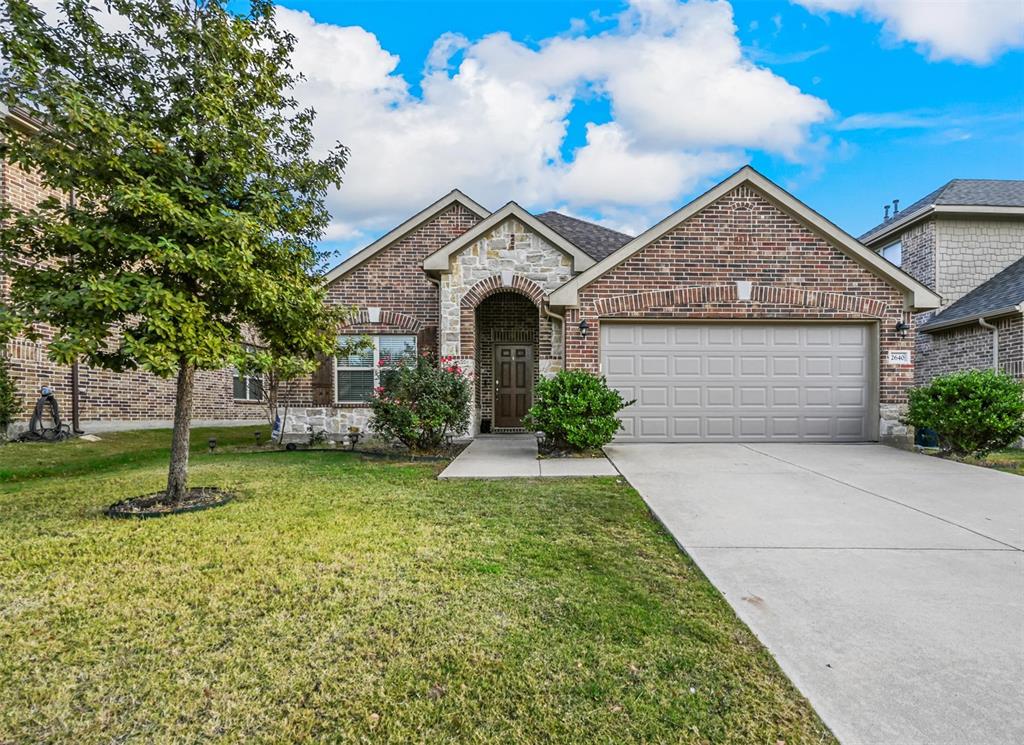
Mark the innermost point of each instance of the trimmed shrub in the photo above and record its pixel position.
(576, 410)
(9, 402)
(974, 412)
(419, 403)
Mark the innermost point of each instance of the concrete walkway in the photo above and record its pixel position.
(515, 456)
(888, 585)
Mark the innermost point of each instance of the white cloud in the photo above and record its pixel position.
(964, 30)
(493, 114)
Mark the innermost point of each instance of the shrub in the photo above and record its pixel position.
(575, 410)
(973, 412)
(9, 402)
(419, 403)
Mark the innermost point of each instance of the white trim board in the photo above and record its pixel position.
(919, 297)
(405, 228)
(438, 261)
(898, 225)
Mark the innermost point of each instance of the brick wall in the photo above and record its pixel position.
(690, 273)
(113, 399)
(918, 248)
(970, 348)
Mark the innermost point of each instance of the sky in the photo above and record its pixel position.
(621, 112)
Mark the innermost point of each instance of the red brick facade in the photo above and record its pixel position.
(691, 273)
(106, 397)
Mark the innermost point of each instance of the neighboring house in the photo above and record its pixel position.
(958, 240)
(109, 400)
(745, 315)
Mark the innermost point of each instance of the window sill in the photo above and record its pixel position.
(245, 401)
(351, 405)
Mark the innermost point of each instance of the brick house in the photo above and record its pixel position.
(745, 315)
(965, 240)
(109, 400)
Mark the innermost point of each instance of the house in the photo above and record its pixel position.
(965, 240)
(744, 315)
(108, 400)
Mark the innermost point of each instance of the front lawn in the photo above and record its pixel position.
(347, 600)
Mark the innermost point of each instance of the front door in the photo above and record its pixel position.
(513, 383)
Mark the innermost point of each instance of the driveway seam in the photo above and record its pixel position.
(881, 496)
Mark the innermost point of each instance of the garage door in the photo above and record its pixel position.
(741, 381)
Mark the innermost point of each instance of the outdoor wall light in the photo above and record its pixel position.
(584, 328)
(901, 329)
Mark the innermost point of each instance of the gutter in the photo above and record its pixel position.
(897, 226)
(939, 325)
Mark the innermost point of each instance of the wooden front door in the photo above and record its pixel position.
(513, 383)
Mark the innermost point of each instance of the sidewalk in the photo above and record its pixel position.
(515, 456)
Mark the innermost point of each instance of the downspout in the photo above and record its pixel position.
(995, 341)
(76, 404)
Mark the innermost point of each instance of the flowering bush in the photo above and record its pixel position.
(419, 403)
(576, 410)
(974, 412)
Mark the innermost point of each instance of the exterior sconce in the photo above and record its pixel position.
(901, 329)
(584, 328)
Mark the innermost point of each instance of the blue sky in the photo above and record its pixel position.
(855, 102)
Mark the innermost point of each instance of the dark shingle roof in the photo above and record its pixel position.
(1004, 290)
(970, 192)
(594, 240)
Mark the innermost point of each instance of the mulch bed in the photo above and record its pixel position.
(156, 505)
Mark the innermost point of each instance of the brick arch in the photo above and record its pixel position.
(490, 285)
(769, 294)
(387, 318)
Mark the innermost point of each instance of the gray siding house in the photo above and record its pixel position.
(965, 241)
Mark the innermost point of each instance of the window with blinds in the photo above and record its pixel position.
(357, 374)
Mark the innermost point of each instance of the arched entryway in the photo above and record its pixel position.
(507, 326)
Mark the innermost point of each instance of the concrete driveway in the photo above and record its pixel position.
(889, 585)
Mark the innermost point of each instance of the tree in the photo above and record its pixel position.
(197, 202)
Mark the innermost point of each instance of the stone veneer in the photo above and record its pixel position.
(508, 258)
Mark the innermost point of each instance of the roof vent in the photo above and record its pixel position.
(895, 207)
(886, 212)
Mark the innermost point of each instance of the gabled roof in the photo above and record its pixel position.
(438, 261)
(597, 240)
(1001, 295)
(918, 296)
(452, 197)
(961, 195)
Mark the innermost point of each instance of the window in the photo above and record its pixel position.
(246, 387)
(893, 253)
(359, 373)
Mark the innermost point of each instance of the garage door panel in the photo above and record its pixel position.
(753, 381)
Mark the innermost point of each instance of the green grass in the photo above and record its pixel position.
(1011, 461)
(345, 600)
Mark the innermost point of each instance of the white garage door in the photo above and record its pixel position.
(741, 381)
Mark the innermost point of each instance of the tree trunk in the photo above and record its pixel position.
(177, 475)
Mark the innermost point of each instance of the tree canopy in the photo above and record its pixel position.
(189, 198)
